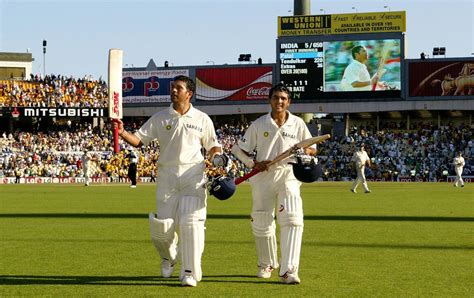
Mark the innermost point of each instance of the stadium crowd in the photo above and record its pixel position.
(57, 153)
(424, 153)
(54, 91)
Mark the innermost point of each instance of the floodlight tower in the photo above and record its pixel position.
(302, 7)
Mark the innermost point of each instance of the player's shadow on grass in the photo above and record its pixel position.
(388, 245)
(122, 280)
(89, 280)
(246, 217)
(249, 279)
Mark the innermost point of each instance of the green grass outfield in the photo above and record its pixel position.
(403, 239)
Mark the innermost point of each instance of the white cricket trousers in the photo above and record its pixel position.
(277, 189)
(458, 181)
(181, 195)
(360, 179)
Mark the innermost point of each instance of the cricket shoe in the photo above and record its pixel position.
(167, 268)
(353, 190)
(264, 272)
(188, 280)
(290, 277)
(367, 191)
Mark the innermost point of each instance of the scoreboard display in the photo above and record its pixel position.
(321, 70)
(302, 67)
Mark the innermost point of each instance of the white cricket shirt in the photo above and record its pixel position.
(459, 162)
(180, 137)
(85, 160)
(355, 72)
(361, 158)
(268, 140)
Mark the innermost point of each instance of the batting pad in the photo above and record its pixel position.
(164, 237)
(191, 231)
(263, 227)
(291, 233)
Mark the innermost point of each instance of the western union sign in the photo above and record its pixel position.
(350, 23)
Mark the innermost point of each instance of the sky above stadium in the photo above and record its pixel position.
(199, 32)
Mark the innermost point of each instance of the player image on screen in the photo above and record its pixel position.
(359, 65)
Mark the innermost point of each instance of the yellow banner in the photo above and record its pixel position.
(349, 23)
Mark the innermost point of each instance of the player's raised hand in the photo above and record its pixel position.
(118, 124)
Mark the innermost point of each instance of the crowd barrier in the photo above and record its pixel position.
(104, 180)
(66, 180)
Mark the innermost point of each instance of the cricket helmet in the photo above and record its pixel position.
(306, 171)
(222, 187)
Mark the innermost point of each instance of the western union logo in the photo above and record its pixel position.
(307, 22)
(394, 21)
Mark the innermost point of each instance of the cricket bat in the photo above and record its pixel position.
(115, 90)
(383, 58)
(285, 154)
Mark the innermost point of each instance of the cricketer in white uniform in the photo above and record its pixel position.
(361, 158)
(276, 186)
(458, 168)
(86, 159)
(356, 77)
(182, 131)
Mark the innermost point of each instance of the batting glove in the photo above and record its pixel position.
(222, 161)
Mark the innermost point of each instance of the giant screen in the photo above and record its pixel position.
(316, 69)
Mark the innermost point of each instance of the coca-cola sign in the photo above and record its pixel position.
(233, 83)
(253, 92)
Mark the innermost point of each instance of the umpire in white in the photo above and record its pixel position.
(275, 187)
(182, 131)
(361, 158)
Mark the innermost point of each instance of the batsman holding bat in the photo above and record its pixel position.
(356, 77)
(276, 186)
(182, 132)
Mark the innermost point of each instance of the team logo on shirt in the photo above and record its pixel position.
(168, 127)
(266, 134)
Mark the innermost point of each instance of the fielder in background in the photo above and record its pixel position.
(270, 135)
(458, 168)
(361, 159)
(86, 161)
(182, 132)
(132, 168)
